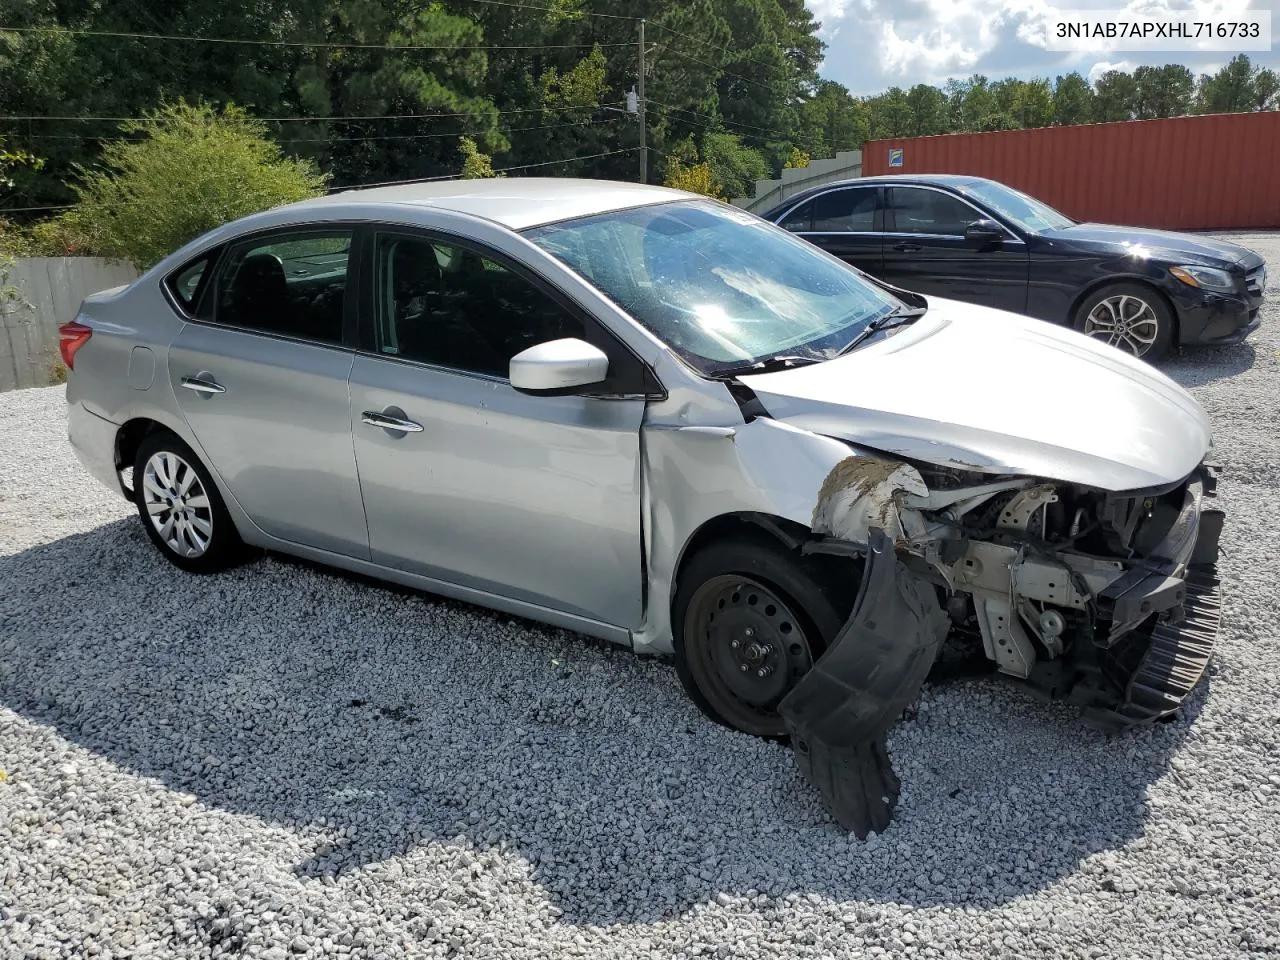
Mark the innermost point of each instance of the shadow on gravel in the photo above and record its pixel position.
(1197, 366)
(293, 695)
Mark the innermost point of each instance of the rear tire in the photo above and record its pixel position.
(1130, 316)
(181, 509)
(749, 619)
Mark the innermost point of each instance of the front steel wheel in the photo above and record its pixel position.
(1130, 317)
(750, 649)
(750, 619)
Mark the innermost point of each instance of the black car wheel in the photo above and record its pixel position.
(1130, 316)
(749, 621)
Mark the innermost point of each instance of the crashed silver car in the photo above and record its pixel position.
(656, 419)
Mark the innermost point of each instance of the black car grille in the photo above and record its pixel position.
(1255, 280)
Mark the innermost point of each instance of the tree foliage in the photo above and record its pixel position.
(187, 170)
(475, 165)
(377, 90)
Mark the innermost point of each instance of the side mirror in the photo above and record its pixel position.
(558, 367)
(983, 233)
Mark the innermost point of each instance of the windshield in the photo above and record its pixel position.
(719, 286)
(1026, 212)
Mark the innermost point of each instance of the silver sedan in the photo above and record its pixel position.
(656, 419)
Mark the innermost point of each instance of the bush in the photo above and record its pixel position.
(192, 169)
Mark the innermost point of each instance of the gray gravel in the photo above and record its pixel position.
(282, 762)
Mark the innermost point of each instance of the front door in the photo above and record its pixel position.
(534, 498)
(925, 251)
(846, 222)
(262, 383)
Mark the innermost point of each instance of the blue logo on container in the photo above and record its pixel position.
(895, 156)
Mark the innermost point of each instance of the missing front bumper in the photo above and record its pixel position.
(841, 710)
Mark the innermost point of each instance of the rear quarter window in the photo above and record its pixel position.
(188, 282)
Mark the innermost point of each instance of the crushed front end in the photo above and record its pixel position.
(1106, 600)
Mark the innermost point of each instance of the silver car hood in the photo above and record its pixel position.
(995, 392)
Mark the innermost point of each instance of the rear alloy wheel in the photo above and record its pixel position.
(180, 507)
(1129, 316)
(750, 620)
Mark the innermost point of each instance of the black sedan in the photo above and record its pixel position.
(971, 239)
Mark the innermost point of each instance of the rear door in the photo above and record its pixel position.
(925, 251)
(846, 222)
(261, 378)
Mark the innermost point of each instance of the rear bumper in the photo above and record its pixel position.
(93, 439)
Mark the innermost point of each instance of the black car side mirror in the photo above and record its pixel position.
(983, 233)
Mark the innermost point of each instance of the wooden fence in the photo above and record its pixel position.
(50, 290)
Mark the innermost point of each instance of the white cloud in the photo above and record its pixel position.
(827, 12)
(1102, 66)
(874, 44)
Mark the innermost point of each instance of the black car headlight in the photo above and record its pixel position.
(1206, 278)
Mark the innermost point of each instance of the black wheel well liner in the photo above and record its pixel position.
(763, 528)
(1097, 285)
(130, 436)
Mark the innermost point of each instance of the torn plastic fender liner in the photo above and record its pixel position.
(840, 711)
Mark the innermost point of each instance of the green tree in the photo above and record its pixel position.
(475, 165)
(891, 114)
(735, 168)
(188, 170)
(1072, 100)
(1166, 91)
(832, 119)
(1115, 96)
(1233, 89)
(1266, 90)
(929, 110)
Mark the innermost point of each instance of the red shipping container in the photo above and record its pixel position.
(1214, 172)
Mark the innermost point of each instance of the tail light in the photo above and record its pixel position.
(71, 337)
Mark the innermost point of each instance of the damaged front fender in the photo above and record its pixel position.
(839, 713)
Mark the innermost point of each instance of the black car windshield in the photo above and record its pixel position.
(719, 286)
(1025, 212)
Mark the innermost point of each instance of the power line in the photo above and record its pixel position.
(455, 176)
(568, 15)
(713, 66)
(319, 44)
(388, 116)
(810, 140)
(392, 183)
(404, 136)
(716, 46)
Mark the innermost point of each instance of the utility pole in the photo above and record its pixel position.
(644, 146)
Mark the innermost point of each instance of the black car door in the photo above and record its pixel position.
(845, 221)
(925, 250)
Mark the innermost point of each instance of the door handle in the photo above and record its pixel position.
(907, 247)
(375, 419)
(201, 385)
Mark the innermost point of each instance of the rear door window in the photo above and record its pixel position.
(845, 211)
(292, 285)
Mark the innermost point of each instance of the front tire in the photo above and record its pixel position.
(180, 506)
(1130, 316)
(749, 620)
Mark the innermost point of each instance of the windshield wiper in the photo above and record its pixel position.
(768, 365)
(898, 318)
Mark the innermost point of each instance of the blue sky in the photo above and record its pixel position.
(874, 44)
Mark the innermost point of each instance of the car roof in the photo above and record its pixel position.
(515, 202)
(954, 180)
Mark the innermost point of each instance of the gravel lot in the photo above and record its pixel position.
(283, 762)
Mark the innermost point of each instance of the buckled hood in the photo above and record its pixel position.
(994, 392)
